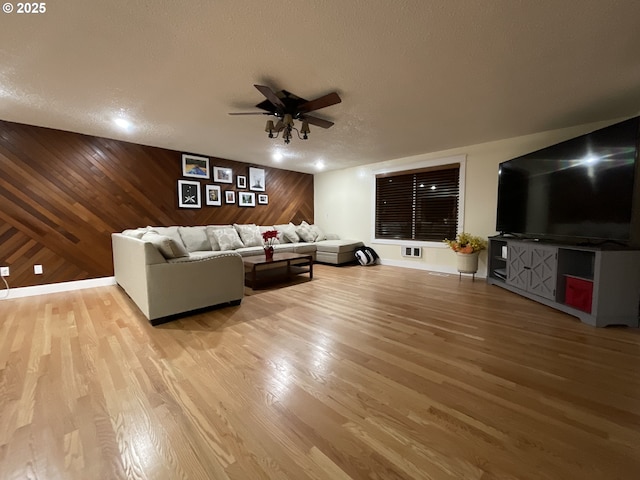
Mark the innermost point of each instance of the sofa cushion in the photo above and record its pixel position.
(171, 232)
(304, 247)
(250, 235)
(135, 232)
(281, 236)
(198, 256)
(283, 247)
(287, 232)
(228, 238)
(305, 232)
(250, 251)
(215, 246)
(338, 246)
(167, 246)
(318, 233)
(195, 238)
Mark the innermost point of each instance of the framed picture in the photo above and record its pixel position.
(229, 196)
(193, 166)
(263, 199)
(222, 175)
(213, 196)
(256, 179)
(246, 199)
(241, 181)
(188, 194)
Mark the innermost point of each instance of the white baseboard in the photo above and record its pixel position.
(56, 287)
(425, 266)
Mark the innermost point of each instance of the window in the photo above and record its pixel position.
(418, 205)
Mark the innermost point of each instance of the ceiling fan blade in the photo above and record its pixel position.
(319, 122)
(249, 113)
(272, 97)
(318, 103)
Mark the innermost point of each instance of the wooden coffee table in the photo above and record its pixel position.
(259, 271)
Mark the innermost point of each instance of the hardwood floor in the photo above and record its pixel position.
(364, 372)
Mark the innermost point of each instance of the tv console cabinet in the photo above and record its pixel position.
(600, 286)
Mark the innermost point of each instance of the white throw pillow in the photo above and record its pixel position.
(305, 232)
(195, 238)
(250, 235)
(281, 236)
(228, 239)
(318, 232)
(288, 232)
(171, 232)
(167, 246)
(215, 246)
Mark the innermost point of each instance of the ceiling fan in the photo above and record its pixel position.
(288, 107)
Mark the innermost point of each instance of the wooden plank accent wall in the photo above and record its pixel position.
(62, 194)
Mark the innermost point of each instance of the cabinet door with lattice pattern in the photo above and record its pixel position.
(543, 271)
(518, 261)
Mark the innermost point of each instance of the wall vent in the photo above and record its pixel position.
(411, 251)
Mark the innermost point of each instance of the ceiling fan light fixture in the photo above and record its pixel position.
(286, 108)
(305, 131)
(269, 128)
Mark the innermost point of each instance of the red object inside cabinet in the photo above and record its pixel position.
(579, 293)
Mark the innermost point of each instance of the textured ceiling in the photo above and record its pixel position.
(414, 76)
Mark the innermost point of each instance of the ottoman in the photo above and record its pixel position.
(336, 252)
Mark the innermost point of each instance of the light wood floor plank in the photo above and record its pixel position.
(361, 373)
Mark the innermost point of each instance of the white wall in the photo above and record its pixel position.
(344, 198)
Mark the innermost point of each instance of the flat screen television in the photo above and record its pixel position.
(580, 190)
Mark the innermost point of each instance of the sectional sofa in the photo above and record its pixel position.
(172, 270)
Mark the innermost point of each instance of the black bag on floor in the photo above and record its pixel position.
(366, 255)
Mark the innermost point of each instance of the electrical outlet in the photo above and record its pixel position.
(4, 271)
(37, 269)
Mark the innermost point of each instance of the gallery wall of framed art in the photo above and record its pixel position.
(224, 191)
(223, 178)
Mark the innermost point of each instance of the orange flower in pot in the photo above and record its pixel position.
(467, 248)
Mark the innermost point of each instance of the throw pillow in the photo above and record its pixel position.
(215, 246)
(305, 232)
(250, 235)
(281, 236)
(228, 239)
(289, 232)
(171, 232)
(167, 246)
(195, 238)
(318, 232)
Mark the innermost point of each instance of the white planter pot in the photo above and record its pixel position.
(467, 262)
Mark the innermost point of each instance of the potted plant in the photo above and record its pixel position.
(269, 237)
(467, 248)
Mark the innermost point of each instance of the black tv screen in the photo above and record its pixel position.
(579, 189)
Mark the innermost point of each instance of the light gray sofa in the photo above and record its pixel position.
(162, 287)
(171, 270)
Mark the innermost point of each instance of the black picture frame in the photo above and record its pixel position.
(189, 194)
(246, 199)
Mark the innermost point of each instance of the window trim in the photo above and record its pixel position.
(460, 159)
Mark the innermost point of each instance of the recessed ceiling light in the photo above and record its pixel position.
(277, 157)
(320, 165)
